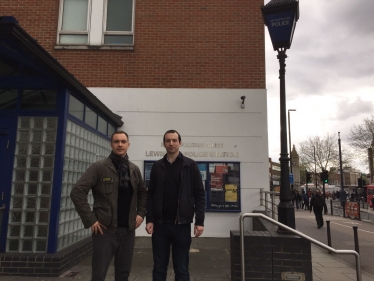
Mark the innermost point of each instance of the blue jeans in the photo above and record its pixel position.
(179, 238)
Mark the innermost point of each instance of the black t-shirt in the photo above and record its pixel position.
(172, 183)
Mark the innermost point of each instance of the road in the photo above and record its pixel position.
(342, 236)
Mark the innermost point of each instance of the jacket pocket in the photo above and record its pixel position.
(103, 214)
(106, 188)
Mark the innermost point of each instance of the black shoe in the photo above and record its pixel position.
(318, 227)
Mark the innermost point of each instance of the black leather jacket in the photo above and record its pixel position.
(191, 194)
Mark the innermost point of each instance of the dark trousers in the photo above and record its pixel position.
(319, 216)
(119, 244)
(179, 238)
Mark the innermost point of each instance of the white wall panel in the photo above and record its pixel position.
(203, 116)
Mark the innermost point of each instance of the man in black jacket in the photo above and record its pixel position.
(175, 194)
(317, 203)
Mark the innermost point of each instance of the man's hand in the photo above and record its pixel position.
(139, 221)
(198, 230)
(97, 227)
(149, 227)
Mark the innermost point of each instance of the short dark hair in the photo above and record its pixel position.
(117, 133)
(172, 132)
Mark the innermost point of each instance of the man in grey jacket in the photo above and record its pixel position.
(119, 208)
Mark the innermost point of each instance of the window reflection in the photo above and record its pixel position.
(8, 99)
(38, 99)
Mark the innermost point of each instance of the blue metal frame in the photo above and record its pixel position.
(207, 185)
(12, 123)
(54, 216)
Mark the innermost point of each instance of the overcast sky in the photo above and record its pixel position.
(329, 72)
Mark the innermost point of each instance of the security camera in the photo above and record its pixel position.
(243, 99)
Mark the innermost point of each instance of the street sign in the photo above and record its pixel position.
(291, 178)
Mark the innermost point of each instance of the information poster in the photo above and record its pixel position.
(216, 182)
(231, 193)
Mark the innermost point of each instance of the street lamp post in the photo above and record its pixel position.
(289, 142)
(280, 16)
(342, 196)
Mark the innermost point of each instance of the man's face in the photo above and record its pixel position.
(172, 143)
(120, 144)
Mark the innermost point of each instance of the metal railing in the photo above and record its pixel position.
(264, 195)
(293, 231)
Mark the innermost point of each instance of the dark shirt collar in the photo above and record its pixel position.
(179, 157)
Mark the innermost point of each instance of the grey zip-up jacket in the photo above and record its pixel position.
(102, 178)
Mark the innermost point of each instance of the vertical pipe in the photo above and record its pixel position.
(357, 249)
(273, 206)
(332, 210)
(328, 234)
(266, 205)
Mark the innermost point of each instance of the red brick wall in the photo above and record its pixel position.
(178, 44)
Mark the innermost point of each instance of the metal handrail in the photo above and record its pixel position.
(343, 252)
(264, 202)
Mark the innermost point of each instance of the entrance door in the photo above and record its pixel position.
(7, 142)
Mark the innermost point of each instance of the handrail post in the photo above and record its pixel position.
(266, 205)
(272, 205)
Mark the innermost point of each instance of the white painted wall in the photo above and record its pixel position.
(200, 116)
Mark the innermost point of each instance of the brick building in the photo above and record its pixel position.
(144, 67)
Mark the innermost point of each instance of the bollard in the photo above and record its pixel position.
(357, 249)
(332, 212)
(328, 235)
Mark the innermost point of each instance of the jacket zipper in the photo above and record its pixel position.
(179, 194)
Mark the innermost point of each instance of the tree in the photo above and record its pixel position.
(361, 137)
(323, 152)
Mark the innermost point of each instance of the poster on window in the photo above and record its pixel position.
(216, 182)
(231, 193)
(223, 170)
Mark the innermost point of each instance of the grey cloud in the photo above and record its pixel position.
(347, 110)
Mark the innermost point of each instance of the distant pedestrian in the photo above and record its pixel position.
(318, 204)
(298, 199)
(372, 202)
(306, 201)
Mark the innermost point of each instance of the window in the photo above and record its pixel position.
(38, 99)
(90, 117)
(86, 23)
(76, 108)
(8, 99)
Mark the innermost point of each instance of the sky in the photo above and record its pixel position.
(329, 72)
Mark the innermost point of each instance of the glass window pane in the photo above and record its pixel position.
(119, 15)
(118, 39)
(8, 99)
(74, 39)
(102, 125)
(76, 107)
(8, 67)
(90, 118)
(74, 16)
(111, 129)
(38, 99)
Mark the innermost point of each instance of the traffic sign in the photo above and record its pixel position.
(291, 178)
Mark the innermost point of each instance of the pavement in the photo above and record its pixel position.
(209, 261)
